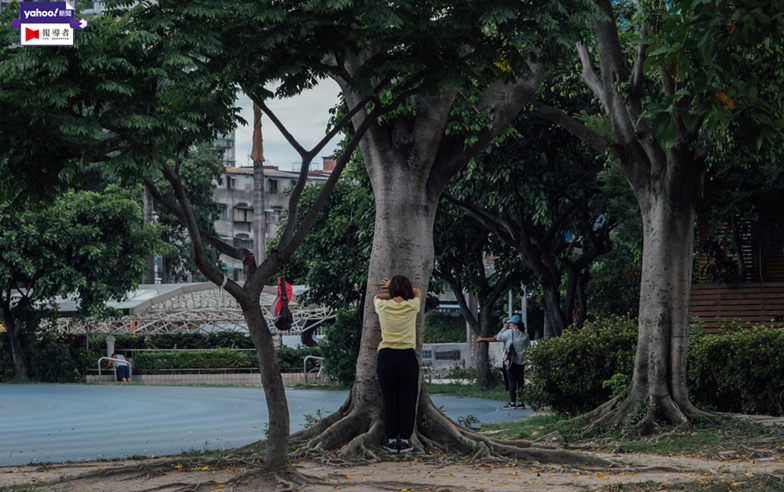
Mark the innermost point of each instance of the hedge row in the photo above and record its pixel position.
(741, 370)
(178, 341)
(289, 360)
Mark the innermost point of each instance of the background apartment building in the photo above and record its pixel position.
(235, 199)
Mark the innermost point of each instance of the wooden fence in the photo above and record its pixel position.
(755, 303)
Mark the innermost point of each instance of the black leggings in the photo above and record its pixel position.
(398, 373)
(516, 380)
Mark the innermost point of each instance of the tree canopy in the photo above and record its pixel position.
(87, 245)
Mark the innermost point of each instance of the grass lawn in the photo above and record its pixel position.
(468, 391)
(732, 439)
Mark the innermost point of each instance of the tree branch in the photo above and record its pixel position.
(667, 82)
(504, 102)
(638, 77)
(280, 126)
(589, 77)
(576, 128)
(231, 251)
(484, 218)
(213, 274)
(281, 254)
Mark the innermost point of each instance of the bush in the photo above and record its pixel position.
(153, 362)
(567, 372)
(439, 328)
(739, 371)
(290, 360)
(50, 358)
(180, 341)
(51, 362)
(340, 347)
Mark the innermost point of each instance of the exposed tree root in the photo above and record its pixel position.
(646, 413)
(438, 431)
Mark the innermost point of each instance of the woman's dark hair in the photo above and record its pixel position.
(400, 286)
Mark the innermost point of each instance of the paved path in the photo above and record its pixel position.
(58, 423)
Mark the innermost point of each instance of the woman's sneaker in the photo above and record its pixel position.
(510, 406)
(404, 446)
(521, 406)
(391, 446)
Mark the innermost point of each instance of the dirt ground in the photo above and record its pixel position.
(410, 474)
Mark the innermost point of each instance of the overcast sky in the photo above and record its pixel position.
(305, 117)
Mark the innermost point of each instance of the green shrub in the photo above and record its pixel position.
(740, 371)
(152, 362)
(440, 328)
(567, 372)
(290, 360)
(340, 347)
(51, 362)
(183, 341)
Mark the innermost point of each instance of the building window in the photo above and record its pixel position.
(273, 186)
(427, 354)
(243, 214)
(224, 212)
(243, 242)
(231, 183)
(448, 355)
(242, 227)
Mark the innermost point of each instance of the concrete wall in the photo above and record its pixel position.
(439, 358)
(289, 379)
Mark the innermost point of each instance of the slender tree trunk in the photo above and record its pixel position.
(14, 331)
(554, 319)
(583, 280)
(277, 435)
(259, 222)
(149, 273)
(484, 370)
(572, 279)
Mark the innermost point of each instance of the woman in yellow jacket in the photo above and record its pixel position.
(398, 367)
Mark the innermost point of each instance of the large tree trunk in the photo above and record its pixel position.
(667, 203)
(277, 434)
(402, 245)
